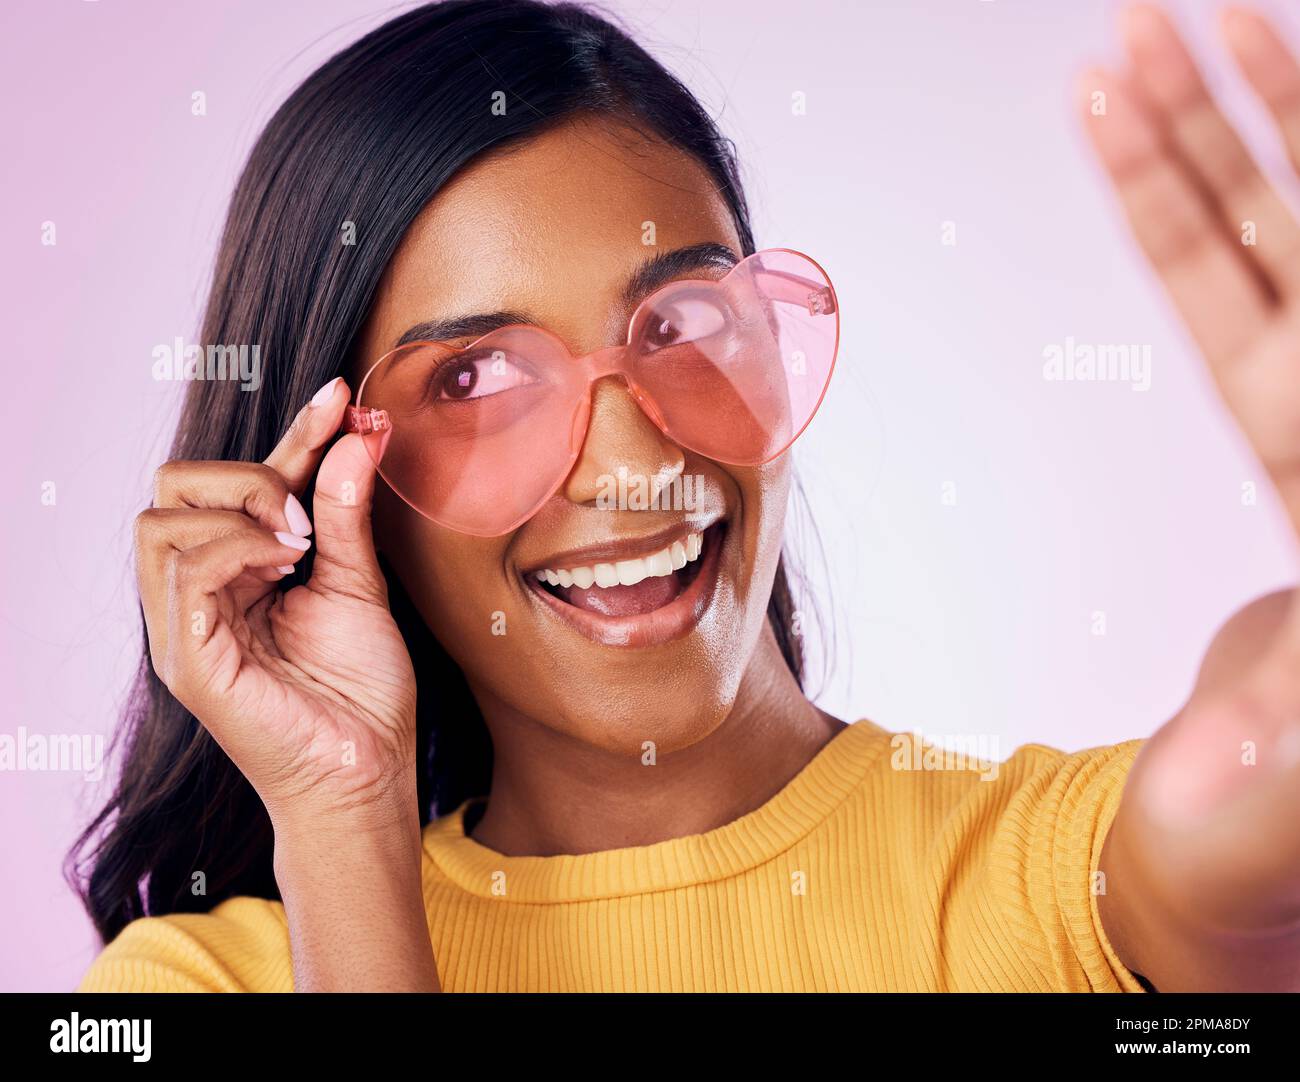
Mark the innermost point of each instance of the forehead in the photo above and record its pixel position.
(552, 227)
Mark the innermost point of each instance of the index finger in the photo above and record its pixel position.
(301, 448)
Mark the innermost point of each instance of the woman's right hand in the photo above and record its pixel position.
(310, 691)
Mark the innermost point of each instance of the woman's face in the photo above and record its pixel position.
(553, 231)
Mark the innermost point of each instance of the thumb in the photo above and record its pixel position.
(345, 544)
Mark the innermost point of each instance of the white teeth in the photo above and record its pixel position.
(629, 572)
(660, 564)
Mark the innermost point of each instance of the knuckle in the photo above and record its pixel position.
(162, 481)
(146, 525)
(145, 537)
(264, 474)
(298, 428)
(265, 491)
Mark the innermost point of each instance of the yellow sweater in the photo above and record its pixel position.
(870, 871)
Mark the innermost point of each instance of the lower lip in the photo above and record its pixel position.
(676, 619)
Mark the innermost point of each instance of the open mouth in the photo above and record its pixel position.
(639, 600)
(629, 587)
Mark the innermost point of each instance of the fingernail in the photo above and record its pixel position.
(325, 393)
(299, 523)
(287, 569)
(299, 543)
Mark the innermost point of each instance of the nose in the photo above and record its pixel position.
(620, 435)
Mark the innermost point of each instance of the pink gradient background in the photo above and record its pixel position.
(975, 617)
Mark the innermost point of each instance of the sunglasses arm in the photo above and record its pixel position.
(363, 420)
(795, 289)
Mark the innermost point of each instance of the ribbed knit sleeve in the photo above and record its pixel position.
(1046, 862)
(241, 946)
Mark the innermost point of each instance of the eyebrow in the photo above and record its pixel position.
(653, 273)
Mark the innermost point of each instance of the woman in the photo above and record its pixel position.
(467, 726)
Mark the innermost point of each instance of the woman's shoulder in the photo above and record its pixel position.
(963, 756)
(241, 945)
(1011, 841)
(978, 780)
(931, 764)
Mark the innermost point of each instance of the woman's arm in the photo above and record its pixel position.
(309, 690)
(352, 896)
(1202, 862)
(1154, 938)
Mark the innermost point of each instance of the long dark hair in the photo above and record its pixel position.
(368, 139)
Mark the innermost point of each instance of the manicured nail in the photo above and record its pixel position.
(287, 569)
(325, 393)
(299, 523)
(299, 543)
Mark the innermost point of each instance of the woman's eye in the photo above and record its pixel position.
(684, 319)
(480, 376)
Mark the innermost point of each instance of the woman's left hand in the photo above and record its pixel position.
(1203, 860)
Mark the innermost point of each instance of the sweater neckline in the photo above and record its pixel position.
(823, 783)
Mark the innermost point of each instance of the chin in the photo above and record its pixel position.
(669, 712)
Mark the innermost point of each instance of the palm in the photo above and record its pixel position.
(1263, 391)
(1217, 787)
(332, 669)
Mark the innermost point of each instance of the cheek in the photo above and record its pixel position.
(754, 540)
(765, 492)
